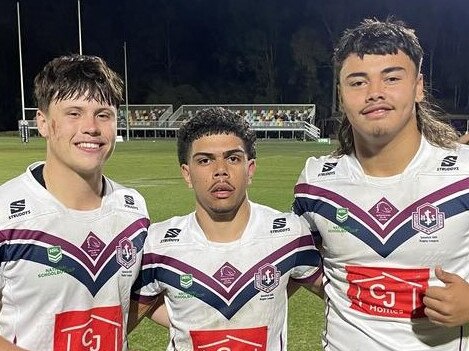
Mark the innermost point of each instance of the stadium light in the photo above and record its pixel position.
(126, 93)
(21, 60)
(79, 27)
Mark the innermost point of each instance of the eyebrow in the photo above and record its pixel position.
(384, 71)
(81, 108)
(225, 154)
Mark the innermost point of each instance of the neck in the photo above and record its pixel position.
(388, 159)
(223, 228)
(73, 190)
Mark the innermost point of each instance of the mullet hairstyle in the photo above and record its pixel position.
(214, 121)
(72, 76)
(374, 37)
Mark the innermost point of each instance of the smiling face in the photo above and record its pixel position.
(219, 172)
(80, 135)
(378, 95)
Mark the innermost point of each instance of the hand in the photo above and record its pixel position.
(447, 305)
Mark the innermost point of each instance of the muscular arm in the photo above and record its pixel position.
(160, 313)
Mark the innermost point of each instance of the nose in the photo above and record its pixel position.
(89, 125)
(375, 91)
(221, 170)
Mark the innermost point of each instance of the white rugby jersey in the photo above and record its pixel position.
(381, 240)
(66, 275)
(228, 296)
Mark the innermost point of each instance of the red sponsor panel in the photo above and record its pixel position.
(388, 292)
(92, 330)
(250, 339)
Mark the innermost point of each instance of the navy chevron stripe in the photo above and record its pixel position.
(451, 208)
(209, 296)
(38, 254)
(438, 195)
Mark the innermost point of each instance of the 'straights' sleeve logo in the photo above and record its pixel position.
(97, 329)
(387, 292)
(249, 339)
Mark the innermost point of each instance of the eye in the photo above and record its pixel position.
(356, 83)
(203, 161)
(73, 114)
(104, 115)
(234, 159)
(392, 79)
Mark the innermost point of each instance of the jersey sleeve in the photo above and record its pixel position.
(304, 203)
(146, 287)
(308, 261)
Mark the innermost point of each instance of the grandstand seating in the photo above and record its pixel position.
(143, 115)
(257, 115)
(160, 121)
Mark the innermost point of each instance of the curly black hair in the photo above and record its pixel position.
(212, 121)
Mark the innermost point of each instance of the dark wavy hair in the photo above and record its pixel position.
(71, 76)
(212, 121)
(374, 37)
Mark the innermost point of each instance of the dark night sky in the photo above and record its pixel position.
(204, 51)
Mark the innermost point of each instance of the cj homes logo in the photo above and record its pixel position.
(246, 339)
(99, 328)
(387, 292)
(279, 224)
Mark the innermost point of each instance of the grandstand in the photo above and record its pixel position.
(289, 121)
(268, 120)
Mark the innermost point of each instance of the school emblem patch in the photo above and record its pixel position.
(428, 219)
(267, 278)
(126, 253)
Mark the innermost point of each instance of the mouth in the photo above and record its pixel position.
(376, 110)
(221, 190)
(88, 146)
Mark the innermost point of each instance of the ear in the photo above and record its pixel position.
(251, 169)
(419, 89)
(42, 125)
(185, 172)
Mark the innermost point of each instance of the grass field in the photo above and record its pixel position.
(151, 167)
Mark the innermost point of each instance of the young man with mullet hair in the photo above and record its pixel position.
(223, 270)
(71, 239)
(390, 207)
